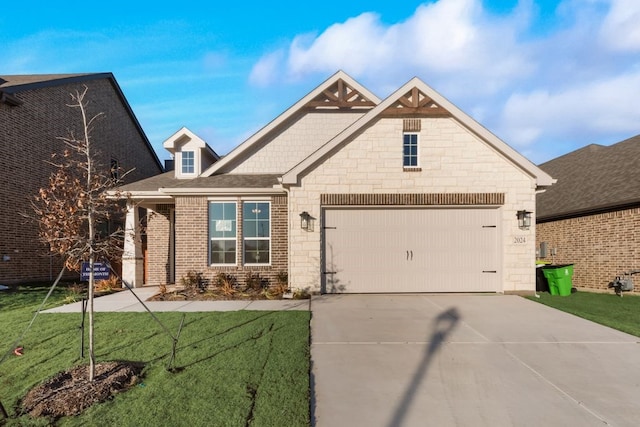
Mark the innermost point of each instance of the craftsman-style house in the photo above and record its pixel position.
(347, 192)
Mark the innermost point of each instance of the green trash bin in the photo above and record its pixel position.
(559, 278)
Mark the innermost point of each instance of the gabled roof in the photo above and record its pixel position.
(12, 85)
(19, 83)
(593, 179)
(415, 99)
(184, 134)
(339, 91)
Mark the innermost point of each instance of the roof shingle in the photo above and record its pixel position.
(592, 179)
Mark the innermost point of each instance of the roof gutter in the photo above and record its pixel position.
(588, 212)
(216, 191)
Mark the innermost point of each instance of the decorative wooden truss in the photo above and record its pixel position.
(415, 104)
(340, 96)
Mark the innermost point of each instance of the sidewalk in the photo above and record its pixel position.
(125, 301)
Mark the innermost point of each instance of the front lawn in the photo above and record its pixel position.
(231, 368)
(606, 309)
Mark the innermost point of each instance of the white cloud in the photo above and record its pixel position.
(586, 110)
(445, 40)
(563, 79)
(355, 44)
(263, 73)
(621, 27)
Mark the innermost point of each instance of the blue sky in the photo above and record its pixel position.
(547, 77)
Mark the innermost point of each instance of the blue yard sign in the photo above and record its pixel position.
(101, 271)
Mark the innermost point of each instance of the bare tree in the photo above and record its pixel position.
(74, 210)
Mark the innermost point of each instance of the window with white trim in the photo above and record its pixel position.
(222, 233)
(256, 232)
(188, 162)
(410, 150)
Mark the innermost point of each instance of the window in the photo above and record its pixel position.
(222, 233)
(256, 231)
(188, 162)
(410, 146)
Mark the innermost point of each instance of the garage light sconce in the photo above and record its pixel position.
(524, 219)
(306, 221)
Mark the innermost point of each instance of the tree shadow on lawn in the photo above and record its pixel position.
(42, 402)
(184, 346)
(265, 332)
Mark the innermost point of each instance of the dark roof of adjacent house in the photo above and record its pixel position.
(11, 85)
(593, 179)
(18, 83)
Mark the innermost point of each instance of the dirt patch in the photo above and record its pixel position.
(70, 392)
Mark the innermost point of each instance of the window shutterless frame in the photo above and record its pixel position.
(222, 233)
(410, 150)
(188, 162)
(256, 233)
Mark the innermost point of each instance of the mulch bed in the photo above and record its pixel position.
(215, 294)
(70, 392)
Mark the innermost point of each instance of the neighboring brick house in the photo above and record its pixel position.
(591, 217)
(348, 193)
(33, 114)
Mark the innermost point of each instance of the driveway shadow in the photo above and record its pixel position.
(443, 326)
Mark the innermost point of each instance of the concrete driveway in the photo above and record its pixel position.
(457, 360)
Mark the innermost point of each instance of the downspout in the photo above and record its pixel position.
(286, 190)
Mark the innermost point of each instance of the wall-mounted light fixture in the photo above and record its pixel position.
(524, 219)
(305, 221)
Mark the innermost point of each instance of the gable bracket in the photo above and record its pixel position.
(415, 103)
(341, 96)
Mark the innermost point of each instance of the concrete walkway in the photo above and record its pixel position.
(123, 301)
(456, 360)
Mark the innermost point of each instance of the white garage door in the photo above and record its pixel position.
(411, 250)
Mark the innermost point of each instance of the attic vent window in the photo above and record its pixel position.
(411, 125)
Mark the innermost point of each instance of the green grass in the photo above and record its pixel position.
(606, 309)
(232, 368)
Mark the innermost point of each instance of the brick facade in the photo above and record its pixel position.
(192, 246)
(600, 246)
(158, 257)
(28, 135)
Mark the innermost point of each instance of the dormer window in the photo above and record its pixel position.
(188, 162)
(191, 154)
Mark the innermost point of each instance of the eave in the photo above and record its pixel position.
(214, 191)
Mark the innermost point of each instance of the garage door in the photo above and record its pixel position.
(411, 250)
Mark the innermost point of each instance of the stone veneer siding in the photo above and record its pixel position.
(192, 246)
(600, 246)
(452, 161)
(28, 137)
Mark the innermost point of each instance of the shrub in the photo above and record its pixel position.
(226, 283)
(254, 282)
(193, 281)
(107, 285)
(282, 283)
